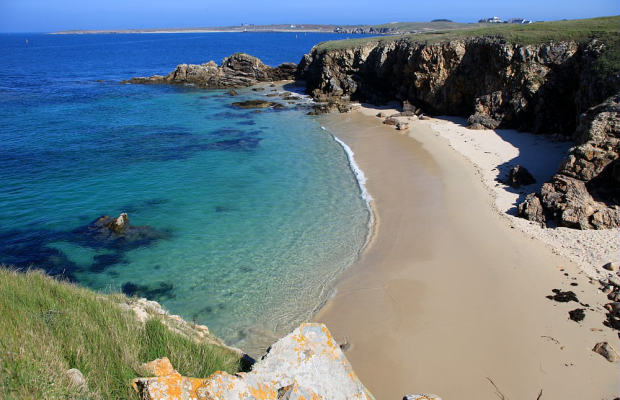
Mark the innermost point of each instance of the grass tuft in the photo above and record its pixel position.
(48, 327)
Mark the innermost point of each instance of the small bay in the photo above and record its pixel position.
(254, 215)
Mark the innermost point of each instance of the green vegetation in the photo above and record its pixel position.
(605, 29)
(48, 327)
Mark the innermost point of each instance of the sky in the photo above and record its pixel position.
(56, 15)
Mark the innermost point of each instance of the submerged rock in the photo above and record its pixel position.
(116, 233)
(255, 104)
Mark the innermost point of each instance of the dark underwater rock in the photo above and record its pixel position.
(254, 104)
(117, 233)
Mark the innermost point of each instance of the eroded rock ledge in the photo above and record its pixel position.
(237, 71)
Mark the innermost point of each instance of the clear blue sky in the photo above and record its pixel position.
(54, 15)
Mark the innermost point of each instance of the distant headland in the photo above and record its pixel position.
(393, 28)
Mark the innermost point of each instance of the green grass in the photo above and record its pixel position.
(605, 29)
(48, 327)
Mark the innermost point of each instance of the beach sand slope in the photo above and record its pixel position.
(448, 298)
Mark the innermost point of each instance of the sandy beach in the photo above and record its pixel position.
(449, 296)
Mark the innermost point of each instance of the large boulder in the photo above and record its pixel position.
(567, 200)
(306, 364)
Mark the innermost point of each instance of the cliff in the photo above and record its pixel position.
(557, 79)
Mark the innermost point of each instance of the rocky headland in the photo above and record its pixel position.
(237, 71)
(563, 87)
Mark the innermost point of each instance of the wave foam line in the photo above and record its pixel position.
(357, 171)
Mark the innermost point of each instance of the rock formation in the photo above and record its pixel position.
(555, 88)
(236, 71)
(585, 192)
(306, 364)
(116, 233)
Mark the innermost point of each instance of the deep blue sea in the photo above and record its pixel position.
(252, 215)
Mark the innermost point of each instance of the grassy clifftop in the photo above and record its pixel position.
(605, 29)
(48, 327)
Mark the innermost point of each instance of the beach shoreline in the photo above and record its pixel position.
(448, 297)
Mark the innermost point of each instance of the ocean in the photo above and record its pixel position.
(252, 216)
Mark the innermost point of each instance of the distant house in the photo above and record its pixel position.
(492, 20)
(519, 21)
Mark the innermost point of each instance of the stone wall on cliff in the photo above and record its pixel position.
(554, 88)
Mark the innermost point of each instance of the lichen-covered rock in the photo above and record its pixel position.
(310, 356)
(167, 384)
(236, 71)
(306, 364)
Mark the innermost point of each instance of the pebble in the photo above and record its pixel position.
(614, 280)
(606, 289)
(612, 266)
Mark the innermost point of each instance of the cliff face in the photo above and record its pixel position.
(538, 88)
(548, 88)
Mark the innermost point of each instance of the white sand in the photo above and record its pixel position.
(493, 153)
(447, 298)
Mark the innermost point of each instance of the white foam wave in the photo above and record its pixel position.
(359, 174)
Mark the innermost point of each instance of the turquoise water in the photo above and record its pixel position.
(255, 214)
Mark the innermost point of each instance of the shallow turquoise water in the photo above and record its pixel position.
(258, 212)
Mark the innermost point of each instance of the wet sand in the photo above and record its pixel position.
(448, 298)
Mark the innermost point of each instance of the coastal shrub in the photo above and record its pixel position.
(48, 327)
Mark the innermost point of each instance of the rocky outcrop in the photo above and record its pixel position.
(585, 192)
(117, 233)
(306, 364)
(555, 88)
(236, 71)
